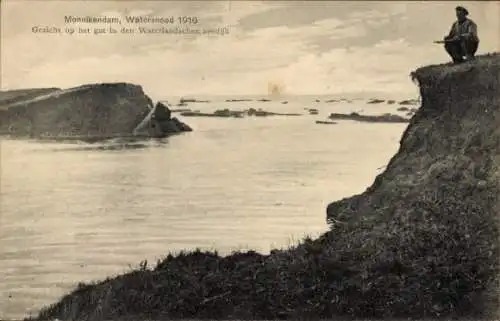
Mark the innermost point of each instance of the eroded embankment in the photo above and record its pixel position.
(422, 241)
(8, 97)
(88, 110)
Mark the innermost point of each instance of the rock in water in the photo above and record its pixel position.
(182, 126)
(385, 118)
(375, 101)
(409, 102)
(158, 123)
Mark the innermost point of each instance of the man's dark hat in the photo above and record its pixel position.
(460, 8)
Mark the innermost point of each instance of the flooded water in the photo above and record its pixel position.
(80, 212)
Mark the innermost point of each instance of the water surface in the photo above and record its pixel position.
(81, 212)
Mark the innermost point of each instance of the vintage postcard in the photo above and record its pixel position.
(254, 160)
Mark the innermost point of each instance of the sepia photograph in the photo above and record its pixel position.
(249, 160)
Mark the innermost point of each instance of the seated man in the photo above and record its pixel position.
(462, 39)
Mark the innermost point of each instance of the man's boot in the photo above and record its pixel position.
(470, 57)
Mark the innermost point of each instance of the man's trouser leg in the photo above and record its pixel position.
(470, 48)
(455, 50)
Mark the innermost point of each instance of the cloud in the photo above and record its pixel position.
(310, 47)
(355, 69)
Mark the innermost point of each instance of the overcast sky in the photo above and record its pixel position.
(305, 47)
